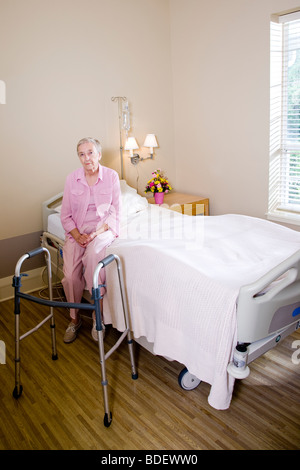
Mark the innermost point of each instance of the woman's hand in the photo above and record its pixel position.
(83, 239)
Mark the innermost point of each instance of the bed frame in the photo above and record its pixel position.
(268, 310)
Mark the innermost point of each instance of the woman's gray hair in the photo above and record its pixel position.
(93, 141)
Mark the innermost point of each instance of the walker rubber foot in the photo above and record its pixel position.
(16, 393)
(135, 376)
(107, 422)
(54, 357)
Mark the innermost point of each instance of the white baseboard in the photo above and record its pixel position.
(30, 283)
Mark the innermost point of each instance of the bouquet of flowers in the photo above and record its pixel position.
(158, 184)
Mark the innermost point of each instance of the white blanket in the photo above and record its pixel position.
(182, 291)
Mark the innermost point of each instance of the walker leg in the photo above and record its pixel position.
(17, 392)
(134, 374)
(107, 415)
(53, 339)
(97, 297)
(52, 322)
(126, 318)
(53, 336)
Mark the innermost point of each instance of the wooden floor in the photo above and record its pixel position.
(62, 404)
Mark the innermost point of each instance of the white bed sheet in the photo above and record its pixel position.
(182, 296)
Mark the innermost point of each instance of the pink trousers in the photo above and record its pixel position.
(80, 264)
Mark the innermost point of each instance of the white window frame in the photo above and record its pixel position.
(279, 207)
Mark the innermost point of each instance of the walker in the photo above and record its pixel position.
(17, 392)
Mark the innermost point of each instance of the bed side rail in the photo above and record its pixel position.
(271, 303)
(54, 239)
(48, 207)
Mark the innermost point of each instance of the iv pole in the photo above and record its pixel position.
(121, 125)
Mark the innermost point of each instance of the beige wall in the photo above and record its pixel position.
(220, 59)
(196, 73)
(62, 61)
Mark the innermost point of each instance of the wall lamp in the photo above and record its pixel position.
(131, 145)
(150, 142)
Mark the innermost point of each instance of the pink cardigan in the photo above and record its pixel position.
(77, 195)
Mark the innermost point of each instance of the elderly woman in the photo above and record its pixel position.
(90, 218)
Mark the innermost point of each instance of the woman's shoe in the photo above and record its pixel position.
(94, 332)
(71, 332)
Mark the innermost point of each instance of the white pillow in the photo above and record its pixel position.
(132, 202)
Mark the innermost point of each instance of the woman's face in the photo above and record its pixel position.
(89, 157)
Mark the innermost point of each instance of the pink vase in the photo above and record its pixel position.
(159, 198)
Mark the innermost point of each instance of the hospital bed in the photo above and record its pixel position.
(213, 293)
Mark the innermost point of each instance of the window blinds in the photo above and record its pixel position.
(284, 185)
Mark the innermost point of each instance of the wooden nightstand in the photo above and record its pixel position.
(185, 203)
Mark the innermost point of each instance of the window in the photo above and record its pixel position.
(284, 172)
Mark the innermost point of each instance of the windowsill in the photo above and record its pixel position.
(284, 217)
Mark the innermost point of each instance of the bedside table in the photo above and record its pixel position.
(185, 203)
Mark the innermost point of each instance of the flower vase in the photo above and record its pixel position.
(159, 198)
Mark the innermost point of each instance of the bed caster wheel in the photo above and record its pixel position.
(107, 422)
(17, 392)
(238, 372)
(188, 381)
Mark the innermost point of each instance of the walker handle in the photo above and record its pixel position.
(107, 260)
(37, 251)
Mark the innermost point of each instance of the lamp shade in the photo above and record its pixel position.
(131, 144)
(150, 141)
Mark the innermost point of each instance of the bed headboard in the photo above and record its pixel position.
(49, 207)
